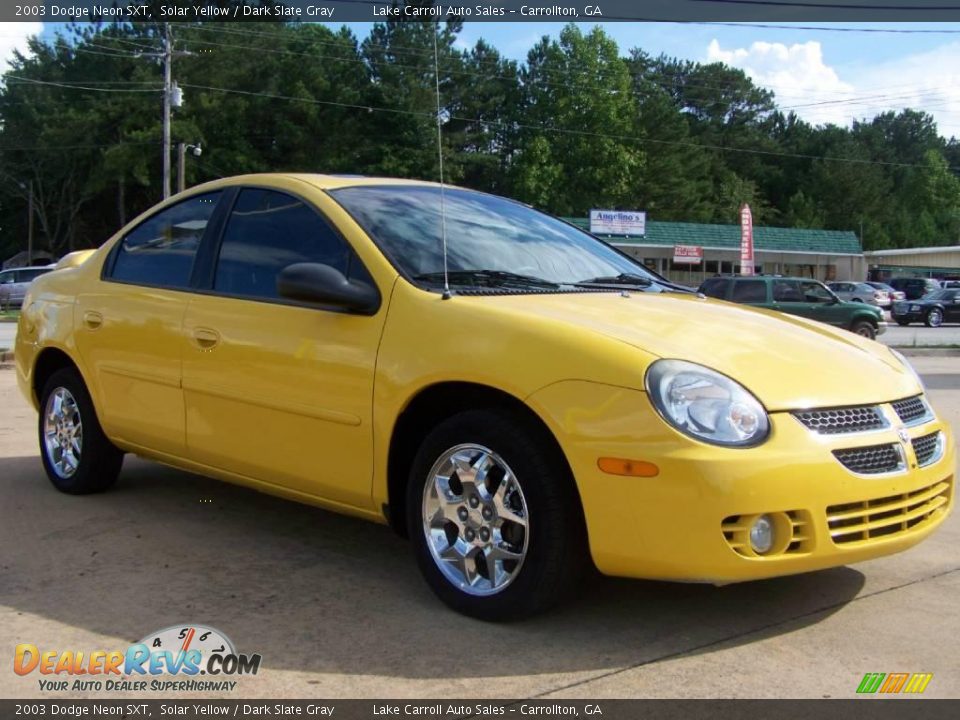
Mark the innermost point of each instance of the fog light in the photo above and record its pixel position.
(761, 534)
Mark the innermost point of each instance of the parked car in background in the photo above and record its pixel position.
(860, 292)
(914, 288)
(950, 284)
(932, 310)
(798, 296)
(893, 294)
(14, 283)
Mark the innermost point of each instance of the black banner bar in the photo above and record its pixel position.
(482, 10)
(863, 708)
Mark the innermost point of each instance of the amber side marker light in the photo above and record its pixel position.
(630, 468)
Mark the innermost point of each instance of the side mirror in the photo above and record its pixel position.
(324, 285)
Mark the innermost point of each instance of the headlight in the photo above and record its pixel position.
(906, 363)
(706, 405)
(915, 308)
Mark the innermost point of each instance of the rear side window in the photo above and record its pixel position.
(30, 275)
(715, 288)
(6, 277)
(750, 291)
(160, 251)
(266, 232)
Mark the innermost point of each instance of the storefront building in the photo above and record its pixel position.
(941, 263)
(688, 253)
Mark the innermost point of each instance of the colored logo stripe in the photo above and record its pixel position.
(894, 683)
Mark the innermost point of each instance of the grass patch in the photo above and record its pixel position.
(9, 315)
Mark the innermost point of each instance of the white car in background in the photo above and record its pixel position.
(860, 292)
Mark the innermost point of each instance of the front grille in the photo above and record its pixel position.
(927, 448)
(887, 516)
(871, 460)
(912, 410)
(834, 421)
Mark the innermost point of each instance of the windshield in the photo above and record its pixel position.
(489, 239)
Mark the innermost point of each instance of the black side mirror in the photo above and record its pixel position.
(324, 285)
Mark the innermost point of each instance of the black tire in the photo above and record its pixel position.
(556, 552)
(100, 461)
(903, 323)
(934, 318)
(864, 328)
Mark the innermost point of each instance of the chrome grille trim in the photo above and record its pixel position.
(836, 421)
(913, 410)
(928, 448)
(873, 459)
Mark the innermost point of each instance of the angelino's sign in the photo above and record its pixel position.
(618, 222)
(689, 254)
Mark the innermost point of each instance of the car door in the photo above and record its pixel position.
(788, 297)
(279, 391)
(823, 305)
(129, 328)
(951, 305)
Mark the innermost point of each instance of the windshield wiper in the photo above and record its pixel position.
(621, 279)
(487, 278)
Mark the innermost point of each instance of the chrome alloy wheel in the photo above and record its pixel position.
(935, 318)
(62, 433)
(475, 519)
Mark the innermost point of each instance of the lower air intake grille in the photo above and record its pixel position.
(927, 448)
(886, 516)
(842, 420)
(871, 460)
(911, 410)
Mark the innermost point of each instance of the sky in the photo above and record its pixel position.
(824, 76)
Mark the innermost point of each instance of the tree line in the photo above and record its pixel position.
(578, 124)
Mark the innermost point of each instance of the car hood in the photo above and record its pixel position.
(787, 362)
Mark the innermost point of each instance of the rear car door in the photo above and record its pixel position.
(129, 328)
(275, 390)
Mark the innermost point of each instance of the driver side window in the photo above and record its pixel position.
(815, 293)
(268, 231)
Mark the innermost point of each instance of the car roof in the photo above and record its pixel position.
(319, 180)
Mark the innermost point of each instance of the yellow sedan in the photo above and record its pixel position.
(516, 396)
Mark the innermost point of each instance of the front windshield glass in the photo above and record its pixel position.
(508, 240)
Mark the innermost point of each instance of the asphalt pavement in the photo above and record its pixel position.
(336, 607)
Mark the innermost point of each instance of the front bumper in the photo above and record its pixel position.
(688, 523)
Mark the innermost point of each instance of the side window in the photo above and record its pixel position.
(786, 291)
(266, 232)
(160, 251)
(750, 291)
(6, 277)
(814, 292)
(715, 288)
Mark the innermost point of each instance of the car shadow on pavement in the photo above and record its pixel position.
(318, 592)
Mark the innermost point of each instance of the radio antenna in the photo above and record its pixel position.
(443, 210)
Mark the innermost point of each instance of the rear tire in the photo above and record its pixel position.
(494, 516)
(864, 328)
(78, 457)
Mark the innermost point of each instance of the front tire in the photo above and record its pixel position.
(934, 318)
(864, 328)
(494, 516)
(78, 457)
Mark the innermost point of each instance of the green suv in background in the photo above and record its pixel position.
(798, 296)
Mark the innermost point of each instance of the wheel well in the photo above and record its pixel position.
(428, 408)
(49, 361)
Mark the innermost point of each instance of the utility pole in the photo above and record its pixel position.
(167, 92)
(30, 226)
(181, 167)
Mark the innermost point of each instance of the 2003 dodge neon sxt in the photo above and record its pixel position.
(543, 402)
